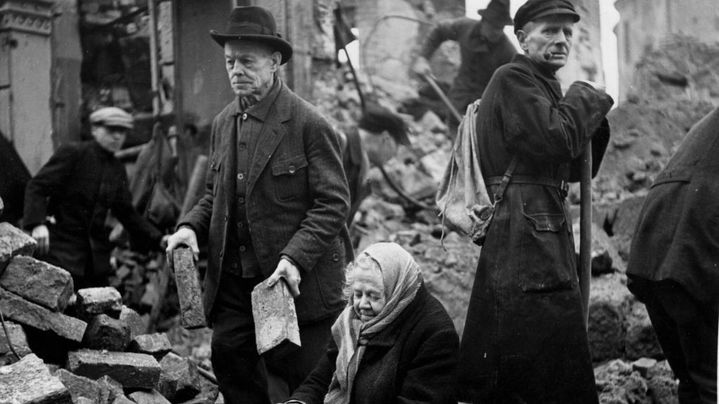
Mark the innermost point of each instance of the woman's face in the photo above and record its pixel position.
(368, 297)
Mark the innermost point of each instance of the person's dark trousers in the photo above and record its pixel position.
(241, 373)
(687, 333)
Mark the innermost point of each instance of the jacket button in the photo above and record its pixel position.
(335, 257)
(243, 248)
(292, 169)
(241, 176)
(244, 116)
(226, 218)
(241, 200)
(222, 253)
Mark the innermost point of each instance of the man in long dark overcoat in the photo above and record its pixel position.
(275, 207)
(674, 261)
(77, 187)
(524, 339)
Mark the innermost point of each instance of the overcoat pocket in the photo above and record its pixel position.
(548, 257)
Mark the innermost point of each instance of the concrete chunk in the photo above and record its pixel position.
(156, 345)
(131, 370)
(179, 379)
(94, 301)
(29, 382)
(148, 397)
(189, 293)
(110, 390)
(80, 386)
(24, 312)
(39, 282)
(137, 325)
(13, 241)
(105, 332)
(275, 318)
(18, 339)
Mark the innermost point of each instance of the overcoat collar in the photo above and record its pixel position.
(541, 73)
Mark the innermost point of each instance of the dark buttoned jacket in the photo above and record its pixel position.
(677, 234)
(296, 202)
(77, 186)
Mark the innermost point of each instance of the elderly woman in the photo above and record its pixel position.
(393, 342)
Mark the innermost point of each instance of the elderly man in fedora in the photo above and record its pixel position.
(77, 187)
(274, 208)
(483, 48)
(524, 339)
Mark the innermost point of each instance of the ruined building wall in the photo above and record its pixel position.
(645, 24)
(585, 58)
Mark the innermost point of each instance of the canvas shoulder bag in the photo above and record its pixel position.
(462, 198)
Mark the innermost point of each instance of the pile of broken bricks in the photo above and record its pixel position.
(106, 356)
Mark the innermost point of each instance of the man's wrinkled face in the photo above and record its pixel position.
(110, 138)
(251, 67)
(547, 40)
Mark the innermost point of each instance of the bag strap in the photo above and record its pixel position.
(499, 195)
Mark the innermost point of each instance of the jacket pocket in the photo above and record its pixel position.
(290, 177)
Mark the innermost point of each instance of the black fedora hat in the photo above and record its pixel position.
(253, 24)
(497, 11)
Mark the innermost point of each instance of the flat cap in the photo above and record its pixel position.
(112, 116)
(535, 9)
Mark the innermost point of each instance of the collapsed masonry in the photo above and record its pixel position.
(93, 348)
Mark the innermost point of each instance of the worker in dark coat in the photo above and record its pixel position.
(274, 208)
(77, 187)
(393, 343)
(372, 143)
(524, 338)
(674, 261)
(483, 47)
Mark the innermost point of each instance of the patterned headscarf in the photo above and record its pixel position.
(402, 278)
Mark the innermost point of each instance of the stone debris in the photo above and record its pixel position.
(157, 345)
(137, 325)
(609, 302)
(29, 382)
(273, 309)
(189, 293)
(39, 282)
(94, 301)
(105, 332)
(148, 397)
(18, 339)
(110, 390)
(80, 386)
(131, 370)
(179, 379)
(14, 241)
(27, 313)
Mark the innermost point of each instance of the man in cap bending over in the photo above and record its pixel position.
(77, 187)
(274, 208)
(483, 48)
(524, 339)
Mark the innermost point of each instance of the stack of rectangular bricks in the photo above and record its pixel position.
(108, 352)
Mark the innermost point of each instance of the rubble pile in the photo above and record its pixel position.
(86, 347)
